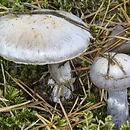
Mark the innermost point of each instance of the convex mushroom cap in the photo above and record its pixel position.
(42, 38)
(114, 75)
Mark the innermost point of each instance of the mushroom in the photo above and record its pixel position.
(123, 46)
(45, 37)
(112, 72)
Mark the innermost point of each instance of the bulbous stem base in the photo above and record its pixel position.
(118, 107)
(61, 74)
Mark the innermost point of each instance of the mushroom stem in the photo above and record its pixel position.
(118, 107)
(61, 74)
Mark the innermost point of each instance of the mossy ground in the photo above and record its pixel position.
(24, 95)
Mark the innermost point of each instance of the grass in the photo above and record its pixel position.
(25, 104)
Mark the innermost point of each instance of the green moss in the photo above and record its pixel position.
(16, 119)
(91, 124)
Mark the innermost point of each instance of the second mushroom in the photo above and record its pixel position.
(112, 72)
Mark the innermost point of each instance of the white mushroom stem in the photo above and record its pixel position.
(61, 74)
(118, 106)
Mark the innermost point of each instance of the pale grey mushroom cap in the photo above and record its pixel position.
(42, 38)
(114, 79)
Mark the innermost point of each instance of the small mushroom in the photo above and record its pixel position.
(112, 72)
(121, 46)
(125, 46)
(44, 37)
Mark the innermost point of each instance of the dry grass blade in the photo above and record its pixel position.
(99, 9)
(9, 108)
(66, 116)
(91, 107)
(75, 103)
(112, 46)
(3, 99)
(34, 104)
(78, 114)
(45, 122)
(11, 113)
(115, 23)
(90, 15)
(30, 5)
(5, 84)
(122, 38)
(125, 15)
(101, 27)
(3, 7)
(118, 5)
(109, 2)
(37, 1)
(81, 69)
(87, 107)
(102, 94)
(30, 126)
(109, 21)
(54, 113)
